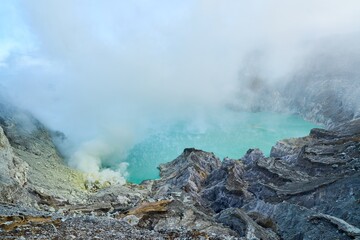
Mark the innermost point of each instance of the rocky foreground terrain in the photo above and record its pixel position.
(309, 188)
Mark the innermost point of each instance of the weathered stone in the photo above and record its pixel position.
(244, 225)
(189, 170)
(36, 161)
(131, 219)
(283, 170)
(309, 188)
(349, 229)
(147, 208)
(13, 173)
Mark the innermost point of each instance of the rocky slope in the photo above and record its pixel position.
(309, 188)
(28, 150)
(324, 87)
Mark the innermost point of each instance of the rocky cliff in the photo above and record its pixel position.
(30, 162)
(309, 188)
(323, 88)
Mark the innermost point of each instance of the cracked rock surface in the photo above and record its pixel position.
(308, 188)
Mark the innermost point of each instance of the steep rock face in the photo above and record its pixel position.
(326, 99)
(10, 163)
(225, 187)
(13, 172)
(188, 171)
(324, 87)
(181, 182)
(29, 153)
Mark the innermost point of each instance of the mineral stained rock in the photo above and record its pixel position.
(308, 188)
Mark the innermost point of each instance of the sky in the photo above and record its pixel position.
(104, 71)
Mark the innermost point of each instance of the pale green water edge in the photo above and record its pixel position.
(229, 135)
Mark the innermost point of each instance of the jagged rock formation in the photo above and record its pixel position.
(309, 188)
(300, 179)
(30, 159)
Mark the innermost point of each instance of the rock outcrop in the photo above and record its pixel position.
(301, 179)
(13, 172)
(30, 160)
(308, 188)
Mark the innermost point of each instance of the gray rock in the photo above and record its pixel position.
(189, 170)
(238, 220)
(13, 173)
(33, 160)
(131, 219)
(309, 188)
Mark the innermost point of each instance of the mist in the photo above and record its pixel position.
(104, 73)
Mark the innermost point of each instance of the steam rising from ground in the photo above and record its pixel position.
(90, 68)
(101, 158)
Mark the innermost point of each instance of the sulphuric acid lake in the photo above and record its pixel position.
(230, 134)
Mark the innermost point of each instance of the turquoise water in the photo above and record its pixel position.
(230, 134)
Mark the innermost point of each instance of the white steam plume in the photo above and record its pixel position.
(89, 67)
